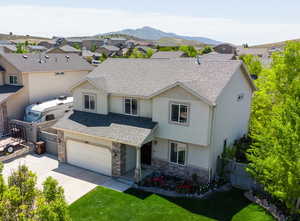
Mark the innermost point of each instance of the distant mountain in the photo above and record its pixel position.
(155, 34)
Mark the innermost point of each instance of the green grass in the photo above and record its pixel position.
(134, 205)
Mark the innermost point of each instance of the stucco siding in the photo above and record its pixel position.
(87, 88)
(197, 156)
(231, 115)
(45, 86)
(197, 130)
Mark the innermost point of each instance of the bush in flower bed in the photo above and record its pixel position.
(179, 185)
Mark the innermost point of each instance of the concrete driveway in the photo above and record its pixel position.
(75, 181)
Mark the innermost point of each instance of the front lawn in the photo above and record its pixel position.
(135, 205)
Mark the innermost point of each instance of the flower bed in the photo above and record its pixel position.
(175, 186)
(273, 206)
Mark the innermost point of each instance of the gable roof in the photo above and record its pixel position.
(10, 47)
(215, 56)
(148, 77)
(50, 62)
(168, 54)
(110, 47)
(253, 51)
(68, 48)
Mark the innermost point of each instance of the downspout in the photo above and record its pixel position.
(211, 141)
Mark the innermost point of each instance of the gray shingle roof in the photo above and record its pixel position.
(168, 54)
(147, 77)
(253, 51)
(110, 47)
(10, 47)
(54, 62)
(7, 90)
(37, 47)
(68, 48)
(122, 128)
(215, 56)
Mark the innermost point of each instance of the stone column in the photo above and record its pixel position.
(61, 146)
(138, 170)
(118, 159)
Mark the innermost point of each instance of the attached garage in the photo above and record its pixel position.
(91, 157)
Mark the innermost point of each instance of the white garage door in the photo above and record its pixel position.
(90, 157)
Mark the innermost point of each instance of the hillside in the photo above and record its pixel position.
(155, 34)
(179, 41)
(32, 39)
(275, 44)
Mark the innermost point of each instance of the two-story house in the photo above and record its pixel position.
(29, 78)
(171, 115)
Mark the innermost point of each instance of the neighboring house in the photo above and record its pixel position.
(72, 42)
(225, 48)
(47, 44)
(31, 78)
(8, 48)
(259, 52)
(130, 43)
(168, 54)
(90, 44)
(87, 53)
(36, 48)
(6, 42)
(109, 50)
(63, 49)
(214, 56)
(132, 116)
(144, 49)
(118, 42)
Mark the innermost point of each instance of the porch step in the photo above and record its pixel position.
(126, 181)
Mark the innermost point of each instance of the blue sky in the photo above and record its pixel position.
(233, 21)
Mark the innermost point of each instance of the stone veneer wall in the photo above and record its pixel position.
(61, 146)
(118, 159)
(179, 170)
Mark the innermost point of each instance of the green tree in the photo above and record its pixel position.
(275, 127)
(190, 51)
(21, 49)
(77, 46)
(206, 50)
(253, 63)
(21, 200)
(94, 48)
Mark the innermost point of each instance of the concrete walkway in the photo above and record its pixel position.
(75, 181)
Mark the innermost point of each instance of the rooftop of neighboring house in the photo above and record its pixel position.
(168, 54)
(110, 47)
(215, 56)
(51, 62)
(7, 90)
(226, 44)
(88, 53)
(5, 42)
(68, 48)
(37, 47)
(149, 77)
(118, 39)
(10, 47)
(253, 51)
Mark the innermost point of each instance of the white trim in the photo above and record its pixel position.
(12, 75)
(185, 155)
(137, 106)
(179, 104)
(83, 104)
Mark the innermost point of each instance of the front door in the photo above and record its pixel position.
(146, 153)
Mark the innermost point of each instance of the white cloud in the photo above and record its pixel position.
(63, 21)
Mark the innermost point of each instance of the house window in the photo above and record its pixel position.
(179, 113)
(59, 73)
(131, 106)
(13, 79)
(178, 153)
(89, 102)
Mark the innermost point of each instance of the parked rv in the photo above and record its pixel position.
(48, 110)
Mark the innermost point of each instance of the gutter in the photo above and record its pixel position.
(211, 140)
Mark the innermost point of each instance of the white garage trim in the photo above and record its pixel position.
(88, 156)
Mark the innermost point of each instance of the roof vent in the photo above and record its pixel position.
(47, 57)
(62, 97)
(25, 56)
(67, 57)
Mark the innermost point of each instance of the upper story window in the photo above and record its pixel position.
(178, 153)
(130, 106)
(13, 79)
(89, 101)
(179, 113)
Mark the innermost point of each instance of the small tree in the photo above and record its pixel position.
(21, 200)
(206, 50)
(190, 51)
(77, 46)
(253, 63)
